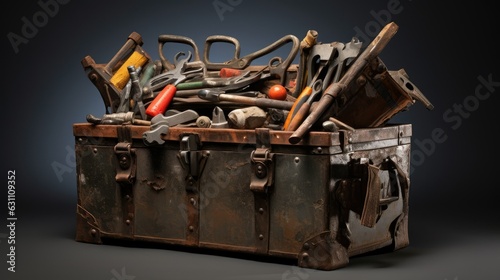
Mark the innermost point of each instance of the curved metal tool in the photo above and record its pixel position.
(276, 65)
(162, 39)
(174, 76)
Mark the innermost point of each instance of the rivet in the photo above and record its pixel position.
(261, 236)
(350, 139)
(127, 222)
(261, 210)
(191, 228)
(192, 200)
(296, 159)
(361, 80)
(319, 149)
(93, 231)
(306, 246)
(80, 139)
(305, 255)
(95, 150)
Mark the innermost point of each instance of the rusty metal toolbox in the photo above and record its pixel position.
(291, 189)
(329, 197)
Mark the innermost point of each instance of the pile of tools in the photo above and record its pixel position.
(333, 86)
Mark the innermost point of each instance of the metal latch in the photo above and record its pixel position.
(262, 169)
(262, 162)
(191, 157)
(125, 171)
(126, 168)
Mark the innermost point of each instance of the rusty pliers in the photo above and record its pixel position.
(179, 74)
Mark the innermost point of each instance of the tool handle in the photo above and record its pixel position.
(191, 85)
(299, 117)
(299, 102)
(162, 39)
(224, 39)
(331, 92)
(161, 101)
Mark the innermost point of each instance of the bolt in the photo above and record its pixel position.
(259, 169)
(124, 164)
(361, 80)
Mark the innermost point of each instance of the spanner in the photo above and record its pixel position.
(160, 125)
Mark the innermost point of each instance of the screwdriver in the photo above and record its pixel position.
(162, 100)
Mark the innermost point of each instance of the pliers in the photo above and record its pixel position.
(174, 76)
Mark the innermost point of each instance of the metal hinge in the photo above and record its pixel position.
(126, 167)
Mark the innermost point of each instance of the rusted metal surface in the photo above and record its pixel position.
(199, 194)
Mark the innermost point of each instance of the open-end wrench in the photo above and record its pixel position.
(160, 125)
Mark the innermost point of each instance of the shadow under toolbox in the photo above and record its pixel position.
(334, 195)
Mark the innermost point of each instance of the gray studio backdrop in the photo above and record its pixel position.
(448, 52)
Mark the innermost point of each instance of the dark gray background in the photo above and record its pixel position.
(446, 49)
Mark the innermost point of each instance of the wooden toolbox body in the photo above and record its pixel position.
(329, 197)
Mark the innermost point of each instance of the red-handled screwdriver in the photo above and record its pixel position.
(162, 100)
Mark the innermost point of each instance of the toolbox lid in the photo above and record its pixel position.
(358, 139)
